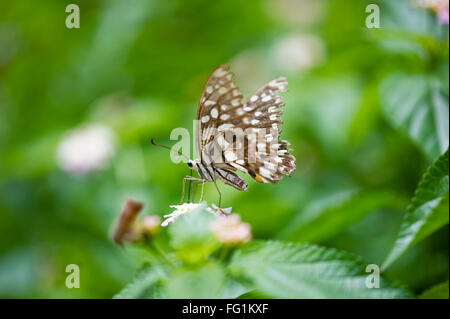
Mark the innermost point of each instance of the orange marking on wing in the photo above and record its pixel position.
(259, 179)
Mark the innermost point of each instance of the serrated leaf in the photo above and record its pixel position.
(403, 15)
(439, 291)
(208, 281)
(327, 216)
(288, 270)
(191, 236)
(418, 105)
(144, 284)
(428, 210)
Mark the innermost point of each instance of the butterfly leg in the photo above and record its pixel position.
(203, 187)
(194, 189)
(187, 178)
(190, 188)
(220, 194)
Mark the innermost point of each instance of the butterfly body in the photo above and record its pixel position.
(210, 173)
(233, 135)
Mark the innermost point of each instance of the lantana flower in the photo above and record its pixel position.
(231, 230)
(219, 211)
(150, 224)
(188, 207)
(179, 210)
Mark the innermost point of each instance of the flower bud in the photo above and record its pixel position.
(150, 224)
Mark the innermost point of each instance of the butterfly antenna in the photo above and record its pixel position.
(156, 144)
(164, 146)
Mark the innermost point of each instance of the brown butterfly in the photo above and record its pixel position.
(233, 135)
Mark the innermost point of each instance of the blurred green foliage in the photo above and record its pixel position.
(366, 114)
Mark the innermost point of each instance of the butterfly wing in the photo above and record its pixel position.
(219, 97)
(272, 158)
(221, 111)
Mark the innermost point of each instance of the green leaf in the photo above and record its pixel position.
(418, 105)
(439, 291)
(327, 216)
(404, 16)
(208, 281)
(287, 270)
(366, 116)
(144, 285)
(191, 236)
(428, 210)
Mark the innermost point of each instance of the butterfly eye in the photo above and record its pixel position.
(189, 164)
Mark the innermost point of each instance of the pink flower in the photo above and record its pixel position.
(223, 212)
(230, 230)
(440, 7)
(150, 224)
(442, 12)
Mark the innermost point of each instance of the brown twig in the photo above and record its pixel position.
(128, 215)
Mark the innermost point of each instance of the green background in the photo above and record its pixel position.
(139, 66)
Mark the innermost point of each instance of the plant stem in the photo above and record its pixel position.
(161, 253)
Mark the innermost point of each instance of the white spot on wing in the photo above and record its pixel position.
(270, 166)
(235, 102)
(223, 90)
(214, 113)
(264, 172)
(225, 126)
(219, 72)
(205, 118)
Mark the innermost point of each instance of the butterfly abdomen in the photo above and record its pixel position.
(231, 179)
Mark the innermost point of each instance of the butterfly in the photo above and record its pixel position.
(236, 135)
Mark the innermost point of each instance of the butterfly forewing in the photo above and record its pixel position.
(218, 98)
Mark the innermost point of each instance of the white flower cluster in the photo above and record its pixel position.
(179, 210)
(86, 149)
(188, 207)
(299, 52)
(228, 228)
